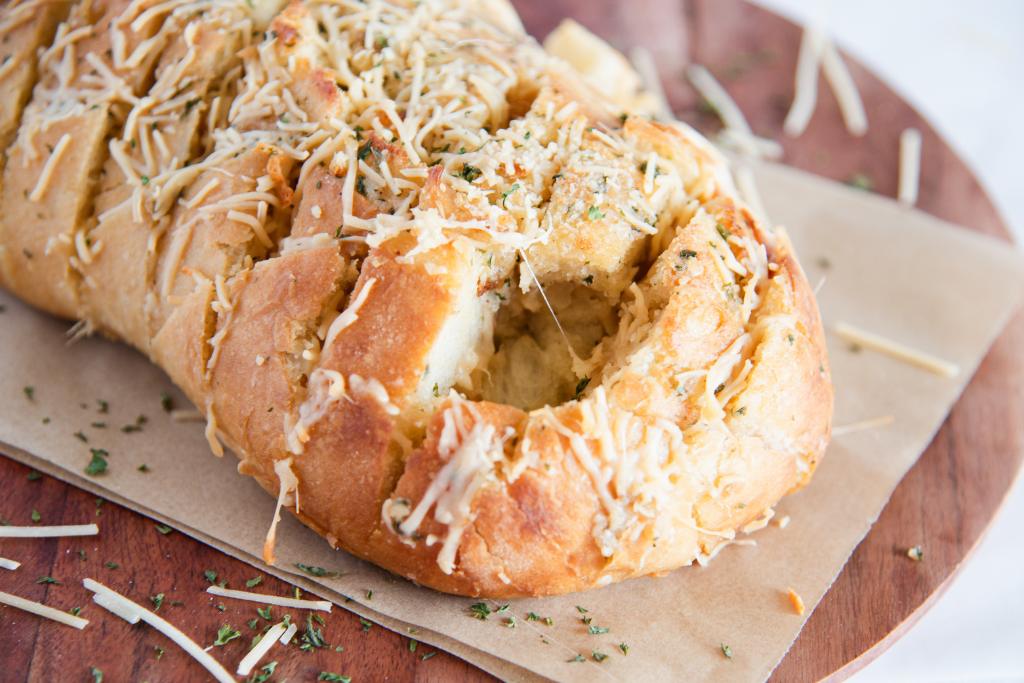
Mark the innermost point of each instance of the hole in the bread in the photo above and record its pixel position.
(531, 365)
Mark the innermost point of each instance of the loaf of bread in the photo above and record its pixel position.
(462, 305)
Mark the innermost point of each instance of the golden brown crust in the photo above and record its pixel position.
(351, 258)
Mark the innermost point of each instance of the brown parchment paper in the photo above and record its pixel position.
(891, 270)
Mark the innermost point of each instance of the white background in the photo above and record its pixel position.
(961, 63)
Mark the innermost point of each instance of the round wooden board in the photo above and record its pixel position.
(944, 504)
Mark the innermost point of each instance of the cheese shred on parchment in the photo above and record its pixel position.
(42, 610)
(260, 650)
(48, 531)
(295, 603)
(896, 350)
(133, 613)
(9, 564)
(910, 166)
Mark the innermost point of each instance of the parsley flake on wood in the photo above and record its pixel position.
(367, 625)
(157, 600)
(210, 575)
(330, 676)
(225, 634)
(97, 675)
(158, 651)
(34, 476)
(75, 611)
(264, 612)
(254, 581)
(313, 637)
(36, 516)
(104, 406)
(111, 565)
(268, 671)
(48, 580)
(164, 529)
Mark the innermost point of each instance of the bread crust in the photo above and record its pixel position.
(340, 268)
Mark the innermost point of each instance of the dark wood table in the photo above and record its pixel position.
(947, 500)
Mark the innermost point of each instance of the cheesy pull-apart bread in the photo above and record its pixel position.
(459, 304)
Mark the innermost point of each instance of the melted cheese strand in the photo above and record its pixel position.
(42, 610)
(133, 613)
(287, 484)
(295, 603)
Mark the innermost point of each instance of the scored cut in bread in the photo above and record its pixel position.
(463, 306)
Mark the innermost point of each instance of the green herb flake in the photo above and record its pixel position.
(480, 610)
(254, 581)
(594, 213)
(104, 406)
(81, 437)
(596, 630)
(164, 529)
(314, 637)
(48, 580)
(506, 193)
(548, 621)
(158, 651)
(166, 402)
(264, 612)
(624, 647)
(98, 464)
(598, 656)
(36, 517)
(532, 616)
(367, 625)
(861, 181)
(225, 634)
(111, 565)
(330, 676)
(581, 385)
(157, 600)
(470, 173)
(577, 658)
(34, 476)
(30, 393)
(726, 650)
(316, 571)
(915, 553)
(581, 610)
(97, 675)
(75, 611)
(144, 468)
(413, 644)
(210, 575)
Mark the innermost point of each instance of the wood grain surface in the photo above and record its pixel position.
(944, 504)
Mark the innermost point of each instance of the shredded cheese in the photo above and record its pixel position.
(48, 531)
(42, 610)
(9, 564)
(259, 651)
(883, 421)
(296, 603)
(910, 166)
(351, 312)
(712, 91)
(806, 87)
(845, 90)
(896, 350)
(133, 613)
(51, 165)
(289, 634)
